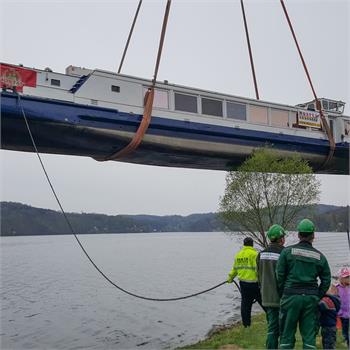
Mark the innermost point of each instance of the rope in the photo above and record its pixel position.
(250, 51)
(318, 104)
(149, 97)
(129, 36)
(80, 244)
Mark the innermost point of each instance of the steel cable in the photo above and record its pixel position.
(318, 103)
(129, 36)
(250, 51)
(77, 239)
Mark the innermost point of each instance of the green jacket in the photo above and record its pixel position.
(266, 266)
(298, 268)
(244, 265)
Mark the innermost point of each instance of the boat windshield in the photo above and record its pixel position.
(333, 106)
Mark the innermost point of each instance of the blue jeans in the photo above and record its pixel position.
(345, 329)
(329, 337)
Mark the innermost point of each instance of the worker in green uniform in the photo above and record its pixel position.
(298, 268)
(266, 265)
(244, 266)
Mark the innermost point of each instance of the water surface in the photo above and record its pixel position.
(52, 298)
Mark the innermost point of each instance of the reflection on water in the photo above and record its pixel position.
(53, 299)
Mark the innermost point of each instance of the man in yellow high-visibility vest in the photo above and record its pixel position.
(244, 267)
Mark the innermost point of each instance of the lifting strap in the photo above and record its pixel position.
(129, 37)
(136, 140)
(318, 104)
(250, 51)
(149, 97)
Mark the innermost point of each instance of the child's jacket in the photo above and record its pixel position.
(344, 294)
(329, 306)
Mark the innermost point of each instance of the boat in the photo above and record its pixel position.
(95, 113)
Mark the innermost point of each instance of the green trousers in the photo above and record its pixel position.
(272, 317)
(300, 309)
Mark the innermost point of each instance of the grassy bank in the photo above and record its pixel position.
(238, 337)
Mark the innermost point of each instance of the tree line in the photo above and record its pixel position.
(23, 220)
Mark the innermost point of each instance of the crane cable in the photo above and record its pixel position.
(72, 231)
(250, 51)
(148, 100)
(149, 96)
(318, 103)
(129, 36)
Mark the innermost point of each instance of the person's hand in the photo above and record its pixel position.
(229, 279)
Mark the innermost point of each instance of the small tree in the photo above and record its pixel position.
(265, 190)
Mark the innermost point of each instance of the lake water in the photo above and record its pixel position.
(52, 298)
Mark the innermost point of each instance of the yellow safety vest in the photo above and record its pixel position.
(244, 265)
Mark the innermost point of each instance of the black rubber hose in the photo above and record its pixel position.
(80, 244)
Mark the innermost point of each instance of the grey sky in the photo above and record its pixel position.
(205, 47)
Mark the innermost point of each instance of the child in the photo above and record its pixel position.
(344, 293)
(329, 307)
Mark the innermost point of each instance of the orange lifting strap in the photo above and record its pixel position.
(149, 97)
(318, 104)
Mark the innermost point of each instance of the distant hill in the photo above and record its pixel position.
(23, 220)
(20, 219)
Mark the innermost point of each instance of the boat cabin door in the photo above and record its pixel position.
(335, 128)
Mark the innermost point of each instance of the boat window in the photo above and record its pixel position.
(311, 107)
(347, 127)
(279, 118)
(186, 103)
(335, 106)
(115, 88)
(258, 115)
(236, 110)
(211, 107)
(55, 82)
(340, 107)
(325, 105)
(161, 99)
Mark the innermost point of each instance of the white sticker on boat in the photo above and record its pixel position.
(306, 253)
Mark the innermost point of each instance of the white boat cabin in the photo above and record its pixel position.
(126, 93)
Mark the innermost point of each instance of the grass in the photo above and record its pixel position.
(238, 337)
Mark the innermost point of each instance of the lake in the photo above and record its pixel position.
(52, 298)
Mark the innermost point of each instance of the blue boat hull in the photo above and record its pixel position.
(67, 128)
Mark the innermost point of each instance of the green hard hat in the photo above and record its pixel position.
(306, 226)
(275, 232)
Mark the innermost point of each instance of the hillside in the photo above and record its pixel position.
(19, 219)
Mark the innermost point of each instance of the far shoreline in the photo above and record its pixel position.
(140, 233)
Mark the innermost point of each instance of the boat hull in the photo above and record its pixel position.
(61, 127)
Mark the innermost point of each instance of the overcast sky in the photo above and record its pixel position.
(205, 47)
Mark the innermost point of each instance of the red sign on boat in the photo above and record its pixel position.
(16, 77)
